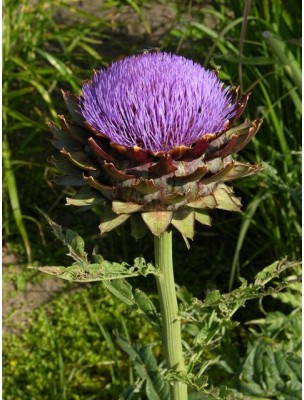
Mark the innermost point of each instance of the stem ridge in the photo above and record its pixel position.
(171, 324)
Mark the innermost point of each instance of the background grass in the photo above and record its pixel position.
(48, 46)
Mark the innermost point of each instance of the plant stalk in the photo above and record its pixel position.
(171, 325)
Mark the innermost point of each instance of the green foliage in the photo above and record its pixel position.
(272, 365)
(206, 325)
(210, 323)
(65, 352)
(147, 369)
(271, 372)
(84, 271)
(80, 357)
(258, 48)
(40, 55)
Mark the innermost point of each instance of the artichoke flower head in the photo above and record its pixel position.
(152, 137)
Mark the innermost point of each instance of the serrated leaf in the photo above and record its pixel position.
(70, 239)
(83, 271)
(273, 270)
(76, 243)
(122, 290)
(99, 270)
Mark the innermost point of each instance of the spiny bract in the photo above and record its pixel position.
(152, 138)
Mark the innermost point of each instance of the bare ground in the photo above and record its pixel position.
(16, 303)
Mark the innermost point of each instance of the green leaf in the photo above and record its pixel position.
(138, 227)
(84, 271)
(157, 221)
(71, 239)
(203, 217)
(129, 392)
(85, 197)
(183, 221)
(100, 270)
(70, 180)
(63, 70)
(110, 220)
(120, 207)
(157, 388)
(285, 57)
(147, 307)
(225, 199)
(274, 270)
(122, 290)
(267, 372)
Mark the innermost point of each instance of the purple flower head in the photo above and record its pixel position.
(156, 101)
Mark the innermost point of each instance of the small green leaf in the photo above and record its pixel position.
(157, 221)
(120, 207)
(85, 197)
(203, 202)
(64, 166)
(273, 270)
(147, 307)
(79, 159)
(110, 220)
(183, 221)
(122, 290)
(145, 186)
(157, 388)
(225, 200)
(138, 227)
(202, 217)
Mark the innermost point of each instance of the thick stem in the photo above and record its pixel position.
(171, 326)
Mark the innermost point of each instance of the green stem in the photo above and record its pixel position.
(171, 326)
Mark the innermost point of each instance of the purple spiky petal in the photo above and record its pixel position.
(157, 101)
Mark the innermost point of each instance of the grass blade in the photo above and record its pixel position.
(10, 181)
(248, 217)
(285, 57)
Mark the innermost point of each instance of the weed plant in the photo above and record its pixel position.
(53, 45)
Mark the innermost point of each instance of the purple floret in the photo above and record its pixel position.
(156, 101)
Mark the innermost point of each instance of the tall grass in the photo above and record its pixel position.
(41, 54)
(256, 45)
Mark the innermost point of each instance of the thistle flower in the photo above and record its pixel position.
(152, 137)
